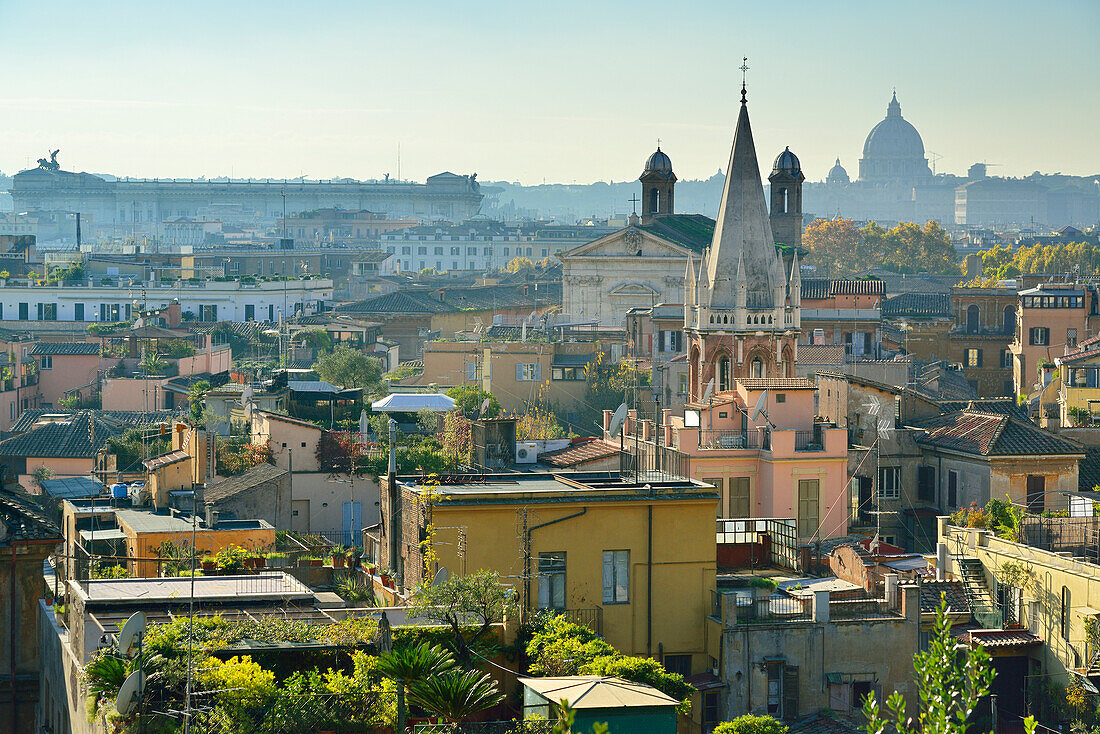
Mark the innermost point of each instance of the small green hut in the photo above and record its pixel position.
(624, 706)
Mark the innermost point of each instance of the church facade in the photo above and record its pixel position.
(642, 265)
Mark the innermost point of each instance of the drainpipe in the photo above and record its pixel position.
(527, 554)
(649, 585)
(11, 641)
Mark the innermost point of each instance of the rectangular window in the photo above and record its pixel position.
(1071, 337)
(739, 497)
(24, 311)
(209, 312)
(438, 251)
(710, 710)
(808, 494)
(973, 358)
(1006, 362)
(249, 312)
(952, 488)
(679, 664)
(471, 370)
(47, 362)
(1039, 336)
(78, 312)
(552, 580)
(681, 384)
(616, 577)
(529, 372)
(889, 482)
(926, 483)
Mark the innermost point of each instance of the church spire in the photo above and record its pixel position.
(894, 108)
(743, 230)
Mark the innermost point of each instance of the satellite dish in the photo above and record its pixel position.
(709, 391)
(130, 693)
(131, 631)
(761, 406)
(617, 420)
(484, 407)
(441, 576)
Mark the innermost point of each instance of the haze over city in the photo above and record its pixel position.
(563, 92)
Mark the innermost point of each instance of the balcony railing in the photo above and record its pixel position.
(592, 618)
(809, 441)
(773, 609)
(715, 439)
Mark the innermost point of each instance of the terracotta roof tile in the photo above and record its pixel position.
(988, 434)
(954, 591)
(579, 453)
(65, 348)
(172, 457)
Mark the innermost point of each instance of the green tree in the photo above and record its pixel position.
(413, 663)
(518, 263)
(196, 397)
(348, 367)
(838, 247)
(135, 445)
(469, 398)
(317, 339)
(479, 599)
(151, 363)
(750, 724)
(951, 679)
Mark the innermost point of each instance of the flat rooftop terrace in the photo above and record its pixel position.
(273, 587)
(552, 486)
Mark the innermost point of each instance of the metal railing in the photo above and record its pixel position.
(718, 439)
(592, 618)
(772, 610)
(841, 610)
(809, 441)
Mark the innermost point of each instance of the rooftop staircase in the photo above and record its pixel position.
(982, 606)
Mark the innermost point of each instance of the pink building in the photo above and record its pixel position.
(794, 468)
(67, 369)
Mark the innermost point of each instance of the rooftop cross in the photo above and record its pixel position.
(744, 69)
(634, 200)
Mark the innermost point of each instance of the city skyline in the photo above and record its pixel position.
(246, 91)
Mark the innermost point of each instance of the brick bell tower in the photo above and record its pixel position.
(741, 311)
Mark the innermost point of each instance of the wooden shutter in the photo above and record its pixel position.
(608, 577)
(519, 373)
(790, 693)
(538, 372)
(622, 571)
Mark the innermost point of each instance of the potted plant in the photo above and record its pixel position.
(353, 556)
(338, 554)
(387, 578)
(208, 562)
(231, 559)
(276, 559)
(59, 610)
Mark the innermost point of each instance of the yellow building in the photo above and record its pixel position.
(1076, 387)
(1034, 599)
(634, 561)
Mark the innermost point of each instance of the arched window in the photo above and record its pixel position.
(1065, 613)
(973, 319)
(757, 367)
(723, 374)
(1009, 322)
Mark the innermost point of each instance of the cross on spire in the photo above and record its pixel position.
(744, 70)
(634, 200)
(658, 143)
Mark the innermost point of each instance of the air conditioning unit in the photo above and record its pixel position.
(527, 452)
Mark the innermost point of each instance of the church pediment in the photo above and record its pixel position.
(634, 289)
(629, 242)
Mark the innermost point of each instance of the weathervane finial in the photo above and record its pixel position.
(744, 69)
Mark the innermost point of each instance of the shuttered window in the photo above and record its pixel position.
(552, 580)
(808, 504)
(739, 497)
(616, 572)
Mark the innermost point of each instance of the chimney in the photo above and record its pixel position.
(78, 230)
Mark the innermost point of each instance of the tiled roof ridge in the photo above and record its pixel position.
(1002, 423)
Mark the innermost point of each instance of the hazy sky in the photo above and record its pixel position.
(558, 91)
